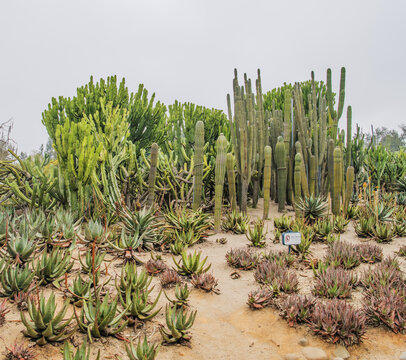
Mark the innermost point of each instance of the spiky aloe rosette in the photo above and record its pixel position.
(178, 323)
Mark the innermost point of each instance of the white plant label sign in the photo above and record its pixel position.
(291, 238)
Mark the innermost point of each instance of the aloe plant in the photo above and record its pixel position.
(191, 264)
(19, 351)
(20, 248)
(15, 280)
(143, 351)
(178, 322)
(206, 282)
(236, 222)
(100, 318)
(46, 325)
(243, 259)
(256, 235)
(260, 298)
(80, 290)
(181, 296)
(128, 245)
(169, 277)
(95, 232)
(82, 353)
(131, 279)
(50, 267)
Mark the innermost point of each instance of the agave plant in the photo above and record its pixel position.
(236, 222)
(82, 353)
(384, 232)
(100, 318)
(15, 280)
(190, 264)
(297, 308)
(178, 322)
(337, 321)
(369, 253)
(46, 325)
(181, 296)
(312, 207)
(143, 351)
(169, 277)
(243, 258)
(206, 282)
(256, 235)
(334, 283)
(131, 279)
(51, 266)
(260, 298)
(19, 351)
(20, 248)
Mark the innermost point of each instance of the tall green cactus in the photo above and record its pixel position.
(298, 177)
(198, 169)
(349, 137)
(336, 196)
(312, 173)
(220, 173)
(335, 115)
(330, 165)
(231, 181)
(349, 184)
(152, 174)
(280, 159)
(305, 188)
(267, 179)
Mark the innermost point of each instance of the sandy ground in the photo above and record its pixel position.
(225, 328)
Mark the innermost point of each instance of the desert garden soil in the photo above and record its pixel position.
(225, 327)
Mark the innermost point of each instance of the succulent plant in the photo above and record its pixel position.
(95, 232)
(236, 222)
(297, 308)
(282, 257)
(340, 224)
(369, 253)
(312, 207)
(100, 318)
(352, 212)
(178, 323)
(334, 283)
(92, 262)
(364, 228)
(15, 279)
(283, 223)
(46, 325)
(154, 267)
(242, 258)
(386, 305)
(188, 238)
(169, 277)
(129, 245)
(4, 310)
(206, 282)
(82, 353)
(260, 298)
(256, 236)
(190, 264)
(19, 351)
(272, 274)
(381, 211)
(399, 228)
(384, 232)
(402, 251)
(138, 306)
(181, 296)
(131, 279)
(21, 299)
(51, 266)
(80, 290)
(337, 321)
(323, 227)
(382, 275)
(342, 254)
(20, 248)
(144, 350)
(303, 249)
(178, 246)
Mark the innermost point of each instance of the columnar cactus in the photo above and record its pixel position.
(336, 196)
(349, 136)
(280, 159)
(267, 179)
(231, 181)
(349, 183)
(312, 174)
(335, 115)
(220, 173)
(152, 174)
(305, 189)
(198, 169)
(330, 165)
(298, 177)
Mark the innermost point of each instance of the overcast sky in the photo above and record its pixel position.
(187, 50)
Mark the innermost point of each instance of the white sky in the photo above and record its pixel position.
(187, 50)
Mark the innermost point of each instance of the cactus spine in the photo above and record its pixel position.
(152, 174)
(231, 181)
(336, 196)
(198, 168)
(280, 159)
(267, 179)
(220, 173)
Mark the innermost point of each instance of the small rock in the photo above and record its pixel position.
(341, 352)
(292, 357)
(303, 342)
(403, 356)
(313, 353)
